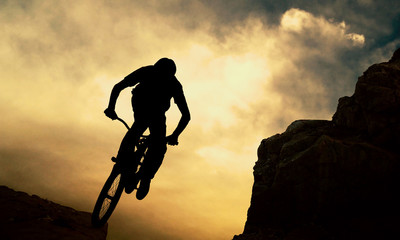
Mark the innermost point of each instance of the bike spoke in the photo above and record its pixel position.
(114, 186)
(104, 208)
(109, 197)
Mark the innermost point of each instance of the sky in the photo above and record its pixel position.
(248, 69)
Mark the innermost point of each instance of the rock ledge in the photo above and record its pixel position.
(31, 217)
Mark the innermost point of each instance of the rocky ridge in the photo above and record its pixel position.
(334, 179)
(25, 217)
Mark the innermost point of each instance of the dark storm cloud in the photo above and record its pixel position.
(337, 71)
(378, 20)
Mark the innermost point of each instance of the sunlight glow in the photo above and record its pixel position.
(243, 83)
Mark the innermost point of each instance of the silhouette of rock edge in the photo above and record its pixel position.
(31, 217)
(334, 179)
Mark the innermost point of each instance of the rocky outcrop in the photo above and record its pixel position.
(334, 179)
(374, 108)
(24, 217)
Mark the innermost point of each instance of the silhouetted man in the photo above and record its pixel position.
(155, 85)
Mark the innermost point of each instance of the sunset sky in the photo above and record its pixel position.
(248, 69)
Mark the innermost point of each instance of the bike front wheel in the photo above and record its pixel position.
(108, 198)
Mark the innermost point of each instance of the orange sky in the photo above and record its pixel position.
(59, 62)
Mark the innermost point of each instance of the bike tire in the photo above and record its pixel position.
(108, 198)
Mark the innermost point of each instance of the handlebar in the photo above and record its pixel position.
(125, 124)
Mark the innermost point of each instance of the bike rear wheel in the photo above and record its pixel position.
(108, 198)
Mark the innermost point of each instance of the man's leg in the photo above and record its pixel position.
(154, 157)
(126, 152)
(126, 149)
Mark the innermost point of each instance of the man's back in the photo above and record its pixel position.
(154, 90)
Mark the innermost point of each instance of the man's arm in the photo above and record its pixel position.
(183, 122)
(126, 82)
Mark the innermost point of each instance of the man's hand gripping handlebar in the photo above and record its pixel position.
(113, 115)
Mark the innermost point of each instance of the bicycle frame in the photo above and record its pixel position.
(115, 184)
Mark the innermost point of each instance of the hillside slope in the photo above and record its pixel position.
(28, 217)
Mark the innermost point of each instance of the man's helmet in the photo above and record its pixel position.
(166, 66)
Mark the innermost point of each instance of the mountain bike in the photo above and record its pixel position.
(115, 183)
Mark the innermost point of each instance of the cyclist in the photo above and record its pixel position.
(154, 86)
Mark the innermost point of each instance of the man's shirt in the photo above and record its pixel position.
(153, 91)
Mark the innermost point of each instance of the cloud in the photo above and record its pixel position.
(295, 72)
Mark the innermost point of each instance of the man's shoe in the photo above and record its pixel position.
(131, 183)
(143, 188)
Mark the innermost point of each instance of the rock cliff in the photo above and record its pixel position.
(334, 179)
(24, 217)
